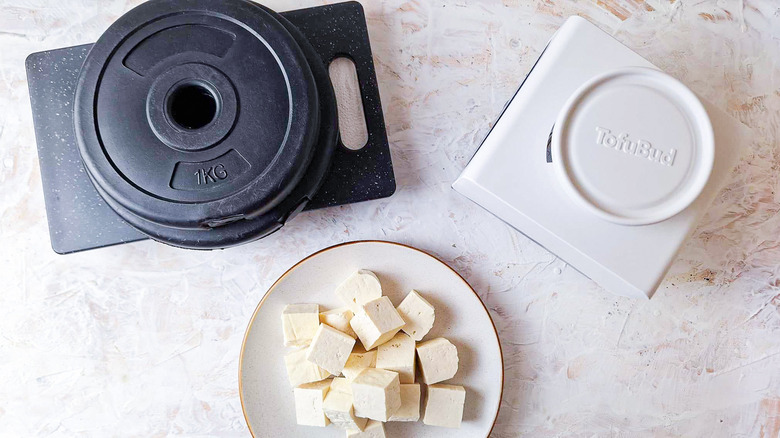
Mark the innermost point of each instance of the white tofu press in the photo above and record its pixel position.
(604, 160)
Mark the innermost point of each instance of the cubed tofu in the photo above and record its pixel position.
(300, 370)
(377, 323)
(339, 320)
(410, 403)
(300, 323)
(373, 429)
(444, 405)
(359, 360)
(338, 406)
(438, 360)
(360, 288)
(309, 399)
(418, 314)
(398, 355)
(330, 349)
(376, 394)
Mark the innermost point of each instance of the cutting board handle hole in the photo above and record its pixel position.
(352, 119)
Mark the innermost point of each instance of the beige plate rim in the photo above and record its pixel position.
(355, 242)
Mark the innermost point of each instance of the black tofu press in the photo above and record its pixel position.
(202, 124)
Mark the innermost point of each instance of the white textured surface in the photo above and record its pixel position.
(143, 340)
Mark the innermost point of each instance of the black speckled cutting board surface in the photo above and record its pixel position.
(78, 217)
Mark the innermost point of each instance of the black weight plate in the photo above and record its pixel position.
(243, 150)
(243, 231)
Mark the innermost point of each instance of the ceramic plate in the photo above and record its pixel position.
(266, 395)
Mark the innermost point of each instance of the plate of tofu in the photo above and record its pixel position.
(371, 339)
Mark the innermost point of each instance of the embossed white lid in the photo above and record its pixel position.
(633, 146)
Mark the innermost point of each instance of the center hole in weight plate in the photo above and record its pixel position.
(192, 105)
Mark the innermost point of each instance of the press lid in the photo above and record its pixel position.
(634, 146)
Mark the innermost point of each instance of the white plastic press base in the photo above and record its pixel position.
(510, 176)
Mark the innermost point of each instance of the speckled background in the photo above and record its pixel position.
(143, 340)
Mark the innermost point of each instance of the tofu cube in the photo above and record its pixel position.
(300, 370)
(338, 406)
(376, 394)
(373, 429)
(418, 314)
(309, 399)
(438, 360)
(398, 355)
(360, 288)
(358, 360)
(339, 320)
(299, 323)
(330, 349)
(410, 403)
(444, 405)
(377, 323)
